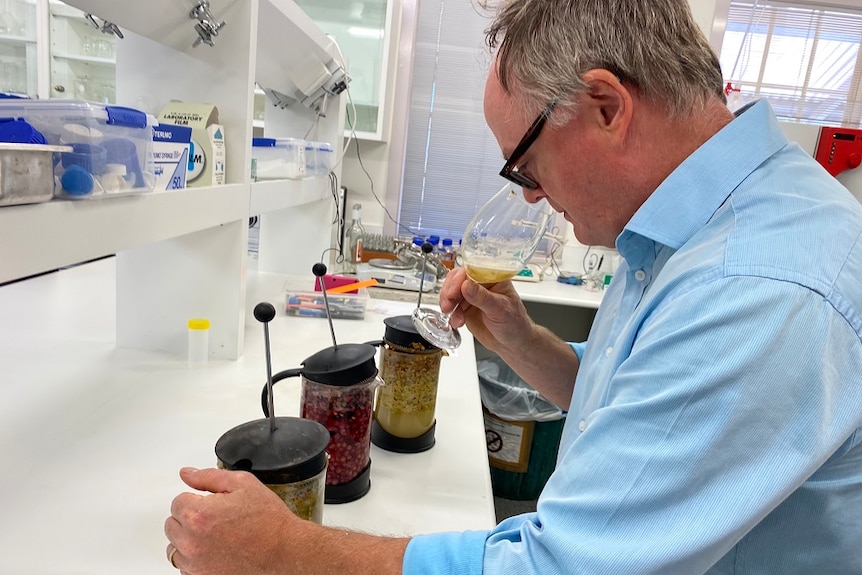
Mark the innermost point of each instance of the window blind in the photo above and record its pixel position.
(452, 160)
(804, 59)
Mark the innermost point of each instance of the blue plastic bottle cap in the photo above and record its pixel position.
(77, 181)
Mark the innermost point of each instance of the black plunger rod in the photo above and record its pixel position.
(426, 249)
(264, 312)
(319, 269)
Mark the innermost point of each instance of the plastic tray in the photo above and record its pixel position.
(112, 146)
(311, 304)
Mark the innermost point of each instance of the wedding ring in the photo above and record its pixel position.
(171, 557)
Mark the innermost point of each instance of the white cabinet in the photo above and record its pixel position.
(366, 33)
(50, 50)
(18, 54)
(82, 58)
(183, 254)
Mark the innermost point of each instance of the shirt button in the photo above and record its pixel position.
(609, 351)
(582, 425)
(640, 275)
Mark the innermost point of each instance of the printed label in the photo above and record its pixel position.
(509, 442)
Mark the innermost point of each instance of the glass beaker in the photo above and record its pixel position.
(404, 408)
(290, 459)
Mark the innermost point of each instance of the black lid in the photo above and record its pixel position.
(401, 332)
(294, 451)
(348, 364)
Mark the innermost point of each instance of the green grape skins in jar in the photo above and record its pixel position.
(290, 459)
(405, 404)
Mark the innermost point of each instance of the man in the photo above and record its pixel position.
(713, 418)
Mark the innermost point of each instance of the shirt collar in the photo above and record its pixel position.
(687, 199)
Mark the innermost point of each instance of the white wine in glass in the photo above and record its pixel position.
(497, 244)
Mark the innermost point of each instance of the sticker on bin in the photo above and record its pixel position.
(509, 442)
(111, 146)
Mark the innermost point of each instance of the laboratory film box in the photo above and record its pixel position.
(207, 149)
(171, 145)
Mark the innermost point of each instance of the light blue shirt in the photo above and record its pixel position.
(714, 426)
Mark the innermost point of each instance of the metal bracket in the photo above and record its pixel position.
(208, 25)
(105, 27)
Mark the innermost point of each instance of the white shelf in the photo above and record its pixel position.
(273, 195)
(283, 29)
(16, 40)
(42, 237)
(85, 59)
(186, 251)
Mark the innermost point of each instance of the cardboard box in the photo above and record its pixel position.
(171, 146)
(207, 149)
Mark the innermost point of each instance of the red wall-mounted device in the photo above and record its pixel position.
(839, 149)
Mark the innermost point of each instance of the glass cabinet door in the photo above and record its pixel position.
(18, 63)
(359, 27)
(82, 57)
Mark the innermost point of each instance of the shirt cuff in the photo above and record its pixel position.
(451, 553)
(579, 349)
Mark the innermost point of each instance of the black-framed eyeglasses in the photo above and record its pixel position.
(510, 169)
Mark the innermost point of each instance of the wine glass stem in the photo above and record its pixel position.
(446, 316)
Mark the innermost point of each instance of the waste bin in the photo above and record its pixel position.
(522, 430)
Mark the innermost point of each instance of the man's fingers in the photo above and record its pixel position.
(181, 502)
(212, 480)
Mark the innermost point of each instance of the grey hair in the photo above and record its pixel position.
(654, 45)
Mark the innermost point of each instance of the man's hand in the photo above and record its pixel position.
(241, 526)
(493, 314)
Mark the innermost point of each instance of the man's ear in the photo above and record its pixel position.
(609, 101)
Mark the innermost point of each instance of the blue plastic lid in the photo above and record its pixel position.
(122, 116)
(447, 241)
(434, 240)
(19, 131)
(417, 241)
(263, 142)
(77, 181)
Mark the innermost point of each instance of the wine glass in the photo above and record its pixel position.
(497, 244)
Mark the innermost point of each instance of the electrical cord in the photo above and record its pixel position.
(351, 122)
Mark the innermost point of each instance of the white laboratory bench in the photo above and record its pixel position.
(93, 435)
(550, 291)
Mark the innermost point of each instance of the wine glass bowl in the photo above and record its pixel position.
(497, 244)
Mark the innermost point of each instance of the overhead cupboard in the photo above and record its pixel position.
(183, 253)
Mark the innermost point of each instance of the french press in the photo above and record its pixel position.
(404, 408)
(337, 391)
(410, 365)
(287, 454)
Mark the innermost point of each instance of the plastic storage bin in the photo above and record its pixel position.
(311, 304)
(522, 429)
(278, 158)
(112, 146)
(319, 158)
